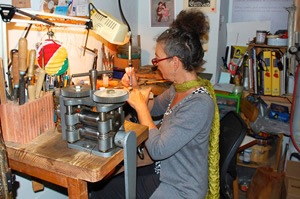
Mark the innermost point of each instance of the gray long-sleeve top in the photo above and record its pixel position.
(181, 144)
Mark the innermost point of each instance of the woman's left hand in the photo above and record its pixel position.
(138, 98)
(130, 73)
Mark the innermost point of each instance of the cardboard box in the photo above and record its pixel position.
(279, 112)
(260, 153)
(21, 3)
(292, 180)
(120, 63)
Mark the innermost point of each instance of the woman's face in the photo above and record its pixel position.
(164, 63)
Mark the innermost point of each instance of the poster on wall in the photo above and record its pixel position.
(162, 13)
(203, 5)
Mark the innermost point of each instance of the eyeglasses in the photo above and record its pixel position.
(155, 60)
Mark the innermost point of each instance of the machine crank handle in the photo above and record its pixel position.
(128, 142)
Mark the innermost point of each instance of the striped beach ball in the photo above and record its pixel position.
(53, 57)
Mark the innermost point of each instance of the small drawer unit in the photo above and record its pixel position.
(228, 102)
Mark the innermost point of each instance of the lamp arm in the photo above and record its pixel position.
(7, 12)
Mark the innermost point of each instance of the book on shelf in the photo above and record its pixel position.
(254, 71)
(265, 77)
(260, 80)
(250, 74)
(275, 74)
(267, 73)
(284, 77)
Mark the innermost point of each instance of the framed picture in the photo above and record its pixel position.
(204, 5)
(162, 13)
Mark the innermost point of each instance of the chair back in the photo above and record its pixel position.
(232, 132)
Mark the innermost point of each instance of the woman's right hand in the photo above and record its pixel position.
(129, 73)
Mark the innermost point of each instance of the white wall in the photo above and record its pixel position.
(72, 38)
(256, 10)
(222, 36)
(148, 35)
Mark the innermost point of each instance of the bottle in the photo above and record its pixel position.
(105, 79)
(247, 155)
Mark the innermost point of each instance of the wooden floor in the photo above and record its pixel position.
(242, 195)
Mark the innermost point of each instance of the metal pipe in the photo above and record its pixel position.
(4, 48)
(291, 38)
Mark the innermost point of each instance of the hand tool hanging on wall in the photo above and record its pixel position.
(224, 59)
(89, 25)
(95, 59)
(95, 52)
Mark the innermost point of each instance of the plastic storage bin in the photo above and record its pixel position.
(228, 102)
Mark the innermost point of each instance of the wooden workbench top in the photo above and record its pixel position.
(50, 152)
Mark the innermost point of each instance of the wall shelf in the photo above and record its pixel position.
(273, 159)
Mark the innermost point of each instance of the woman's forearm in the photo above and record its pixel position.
(144, 117)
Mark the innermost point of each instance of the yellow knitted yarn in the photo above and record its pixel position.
(187, 85)
(213, 151)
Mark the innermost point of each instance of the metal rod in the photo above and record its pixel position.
(4, 45)
(35, 17)
(41, 23)
(87, 74)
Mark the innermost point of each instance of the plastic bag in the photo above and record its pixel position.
(265, 184)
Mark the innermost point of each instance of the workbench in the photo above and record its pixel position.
(48, 158)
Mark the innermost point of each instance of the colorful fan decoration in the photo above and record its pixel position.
(53, 57)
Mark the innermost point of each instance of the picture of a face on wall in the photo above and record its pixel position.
(162, 13)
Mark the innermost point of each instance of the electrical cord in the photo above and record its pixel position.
(293, 109)
(94, 8)
(123, 17)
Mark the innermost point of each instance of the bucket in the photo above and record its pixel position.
(261, 36)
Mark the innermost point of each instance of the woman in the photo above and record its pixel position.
(166, 12)
(159, 11)
(179, 147)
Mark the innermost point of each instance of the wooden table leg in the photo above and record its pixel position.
(77, 189)
(235, 189)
